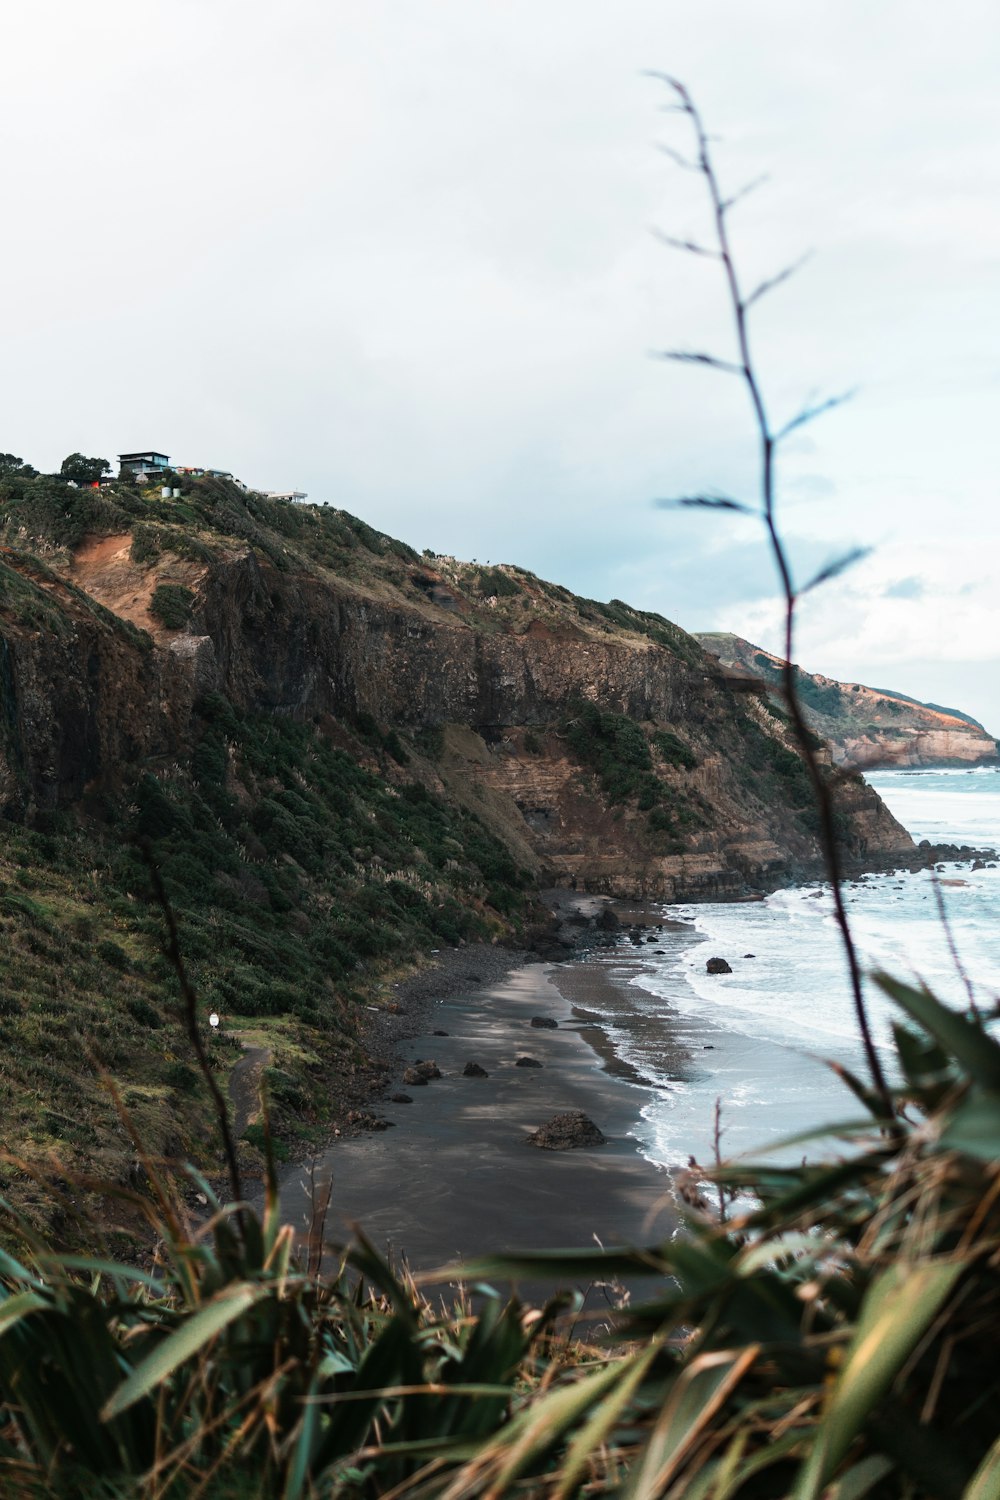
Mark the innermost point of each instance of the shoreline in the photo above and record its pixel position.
(452, 1177)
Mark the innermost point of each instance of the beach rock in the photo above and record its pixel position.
(440, 1033)
(718, 966)
(473, 1070)
(362, 1120)
(979, 864)
(544, 1023)
(749, 955)
(400, 1099)
(652, 940)
(527, 1062)
(567, 1131)
(607, 921)
(421, 1072)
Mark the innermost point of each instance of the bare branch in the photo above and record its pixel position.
(810, 413)
(744, 192)
(956, 959)
(835, 568)
(771, 282)
(673, 83)
(677, 158)
(691, 245)
(693, 357)
(708, 502)
(768, 441)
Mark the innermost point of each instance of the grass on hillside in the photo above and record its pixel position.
(299, 872)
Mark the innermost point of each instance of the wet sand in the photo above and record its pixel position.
(454, 1178)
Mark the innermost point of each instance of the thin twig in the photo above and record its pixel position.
(189, 1015)
(956, 957)
(717, 1149)
(768, 440)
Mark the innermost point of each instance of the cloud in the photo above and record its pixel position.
(906, 588)
(904, 632)
(400, 257)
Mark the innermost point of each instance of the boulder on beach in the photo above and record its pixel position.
(545, 1023)
(527, 1062)
(607, 921)
(718, 966)
(421, 1072)
(473, 1070)
(566, 1131)
(440, 1033)
(400, 1099)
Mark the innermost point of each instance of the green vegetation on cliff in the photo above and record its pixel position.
(298, 872)
(312, 730)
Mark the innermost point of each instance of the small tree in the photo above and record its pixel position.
(82, 470)
(11, 464)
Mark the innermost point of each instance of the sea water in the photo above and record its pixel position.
(757, 1043)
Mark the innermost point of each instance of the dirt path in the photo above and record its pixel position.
(244, 1087)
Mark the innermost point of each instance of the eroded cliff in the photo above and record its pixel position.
(305, 612)
(339, 755)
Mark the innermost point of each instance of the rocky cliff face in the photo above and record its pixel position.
(864, 726)
(678, 787)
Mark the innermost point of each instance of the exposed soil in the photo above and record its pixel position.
(103, 567)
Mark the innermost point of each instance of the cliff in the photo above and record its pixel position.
(863, 726)
(304, 612)
(340, 755)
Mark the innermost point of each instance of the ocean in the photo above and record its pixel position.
(757, 1040)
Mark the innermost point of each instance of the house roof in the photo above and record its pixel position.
(145, 453)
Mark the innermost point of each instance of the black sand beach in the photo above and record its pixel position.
(454, 1178)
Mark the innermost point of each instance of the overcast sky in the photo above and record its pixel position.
(398, 253)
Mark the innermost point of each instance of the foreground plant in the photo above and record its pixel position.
(843, 1344)
(845, 1330)
(228, 1369)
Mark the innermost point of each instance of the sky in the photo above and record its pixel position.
(402, 255)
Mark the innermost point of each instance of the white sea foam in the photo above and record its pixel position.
(757, 1036)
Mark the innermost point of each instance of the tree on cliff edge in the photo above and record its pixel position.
(81, 470)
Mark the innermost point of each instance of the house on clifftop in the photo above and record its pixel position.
(143, 465)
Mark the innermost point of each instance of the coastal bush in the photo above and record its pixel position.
(495, 583)
(611, 744)
(171, 604)
(769, 768)
(147, 542)
(839, 1335)
(673, 750)
(664, 632)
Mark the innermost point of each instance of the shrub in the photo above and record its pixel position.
(615, 747)
(172, 604)
(113, 956)
(180, 1077)
(673, 750)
